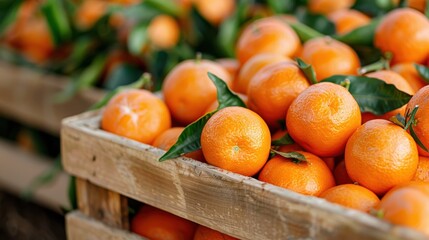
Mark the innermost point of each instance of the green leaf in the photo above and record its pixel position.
(56, 17)
(224, 96)
(416, 138)
(360, 36)
(166, 6)
(398, 119)
(423, 71)
(281, 6)
(305, 32)
(122, 74)
(138, 39)
(316, 21)
(308, 71)
(9, 15)
(299, 157)
(284, 140)
(373, 7)
(383, 63)
(373, 95)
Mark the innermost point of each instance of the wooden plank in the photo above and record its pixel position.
(26, 95)
(109, 207)
(81, 227)
(236, 205)
(19, 168)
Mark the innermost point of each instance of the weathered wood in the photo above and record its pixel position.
(81, 227)
(27, 96)
(109, 207)
(239, 206)
(18, 169)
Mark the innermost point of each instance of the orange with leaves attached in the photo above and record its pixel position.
(236, 139)
(352, 196)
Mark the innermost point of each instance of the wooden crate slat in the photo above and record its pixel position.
(239, 206)
(81, 227)
(27, 96)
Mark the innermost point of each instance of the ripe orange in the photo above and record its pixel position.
(153, 223)
(352, 196)
(267, 35)
(285, 148)
(308, 178)
(215, 11)
(330, 162)
(400, 24)
(417, 4)
(236, 139)
(340, 174)
(169, 137)
(421, 129)
(188, 91)
(205, 233)
(322, 118)
(89, 12)
(163, 31)
(400, 83)
(346, 20)
(409, 73)
(231, 65)
(328, 6)
(422, 173)
(330, 57)
(272, 90)
(251, 67)
(381, 155)
(136, 114)
(408, 206)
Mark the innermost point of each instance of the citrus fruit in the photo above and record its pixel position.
(215, 11)
(340, 174)
(422, 173)
(205, 233)
(346, 20)
(352, 196)
(328, 6)
(163, 31)
(409, 73)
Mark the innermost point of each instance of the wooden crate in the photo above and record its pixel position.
(110, 168)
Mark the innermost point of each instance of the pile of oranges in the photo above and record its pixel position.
(310, 138)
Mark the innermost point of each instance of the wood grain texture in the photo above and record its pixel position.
(239, 206)
(81, 227)
(18, 169)
(26, 96)
(99, 203)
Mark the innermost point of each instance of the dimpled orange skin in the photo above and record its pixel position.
(251, 67)
(401, 24)
(267, 35)
(400, 83)
(346, 20)
(322, 118)
(308, 178)
(352, 196)
(273, 89)
(136, 114)
(409, 73)
(164, 31)
(381, 155)
(421, 129)
(329, 57)
(328, 6)
(205, 233)
(422, 173)
(407, 206)
(236, 139)
(156, 224)
(188, 91)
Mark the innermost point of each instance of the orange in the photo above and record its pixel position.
(252, 66)
(89, 12)
(322, 118)
(422, 173)
(267, 35)
(215, 104)
(408, 206)
(236, 139)
(352, 196)
(272, 90)
(330, 162)
(401, 24)
(381, 155)
(421, 129)
(285, 148)
(155, 224)
(340, 174)
(391, 78)
(417, 4)
(409, 73)
(205, 233)
(309, 178)
(136, 114)
(215, 11)
(330, 57)
(328, 6)
(188, 91)
(169, 137)
(231, 65)
(163, 31)
(347, 20)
